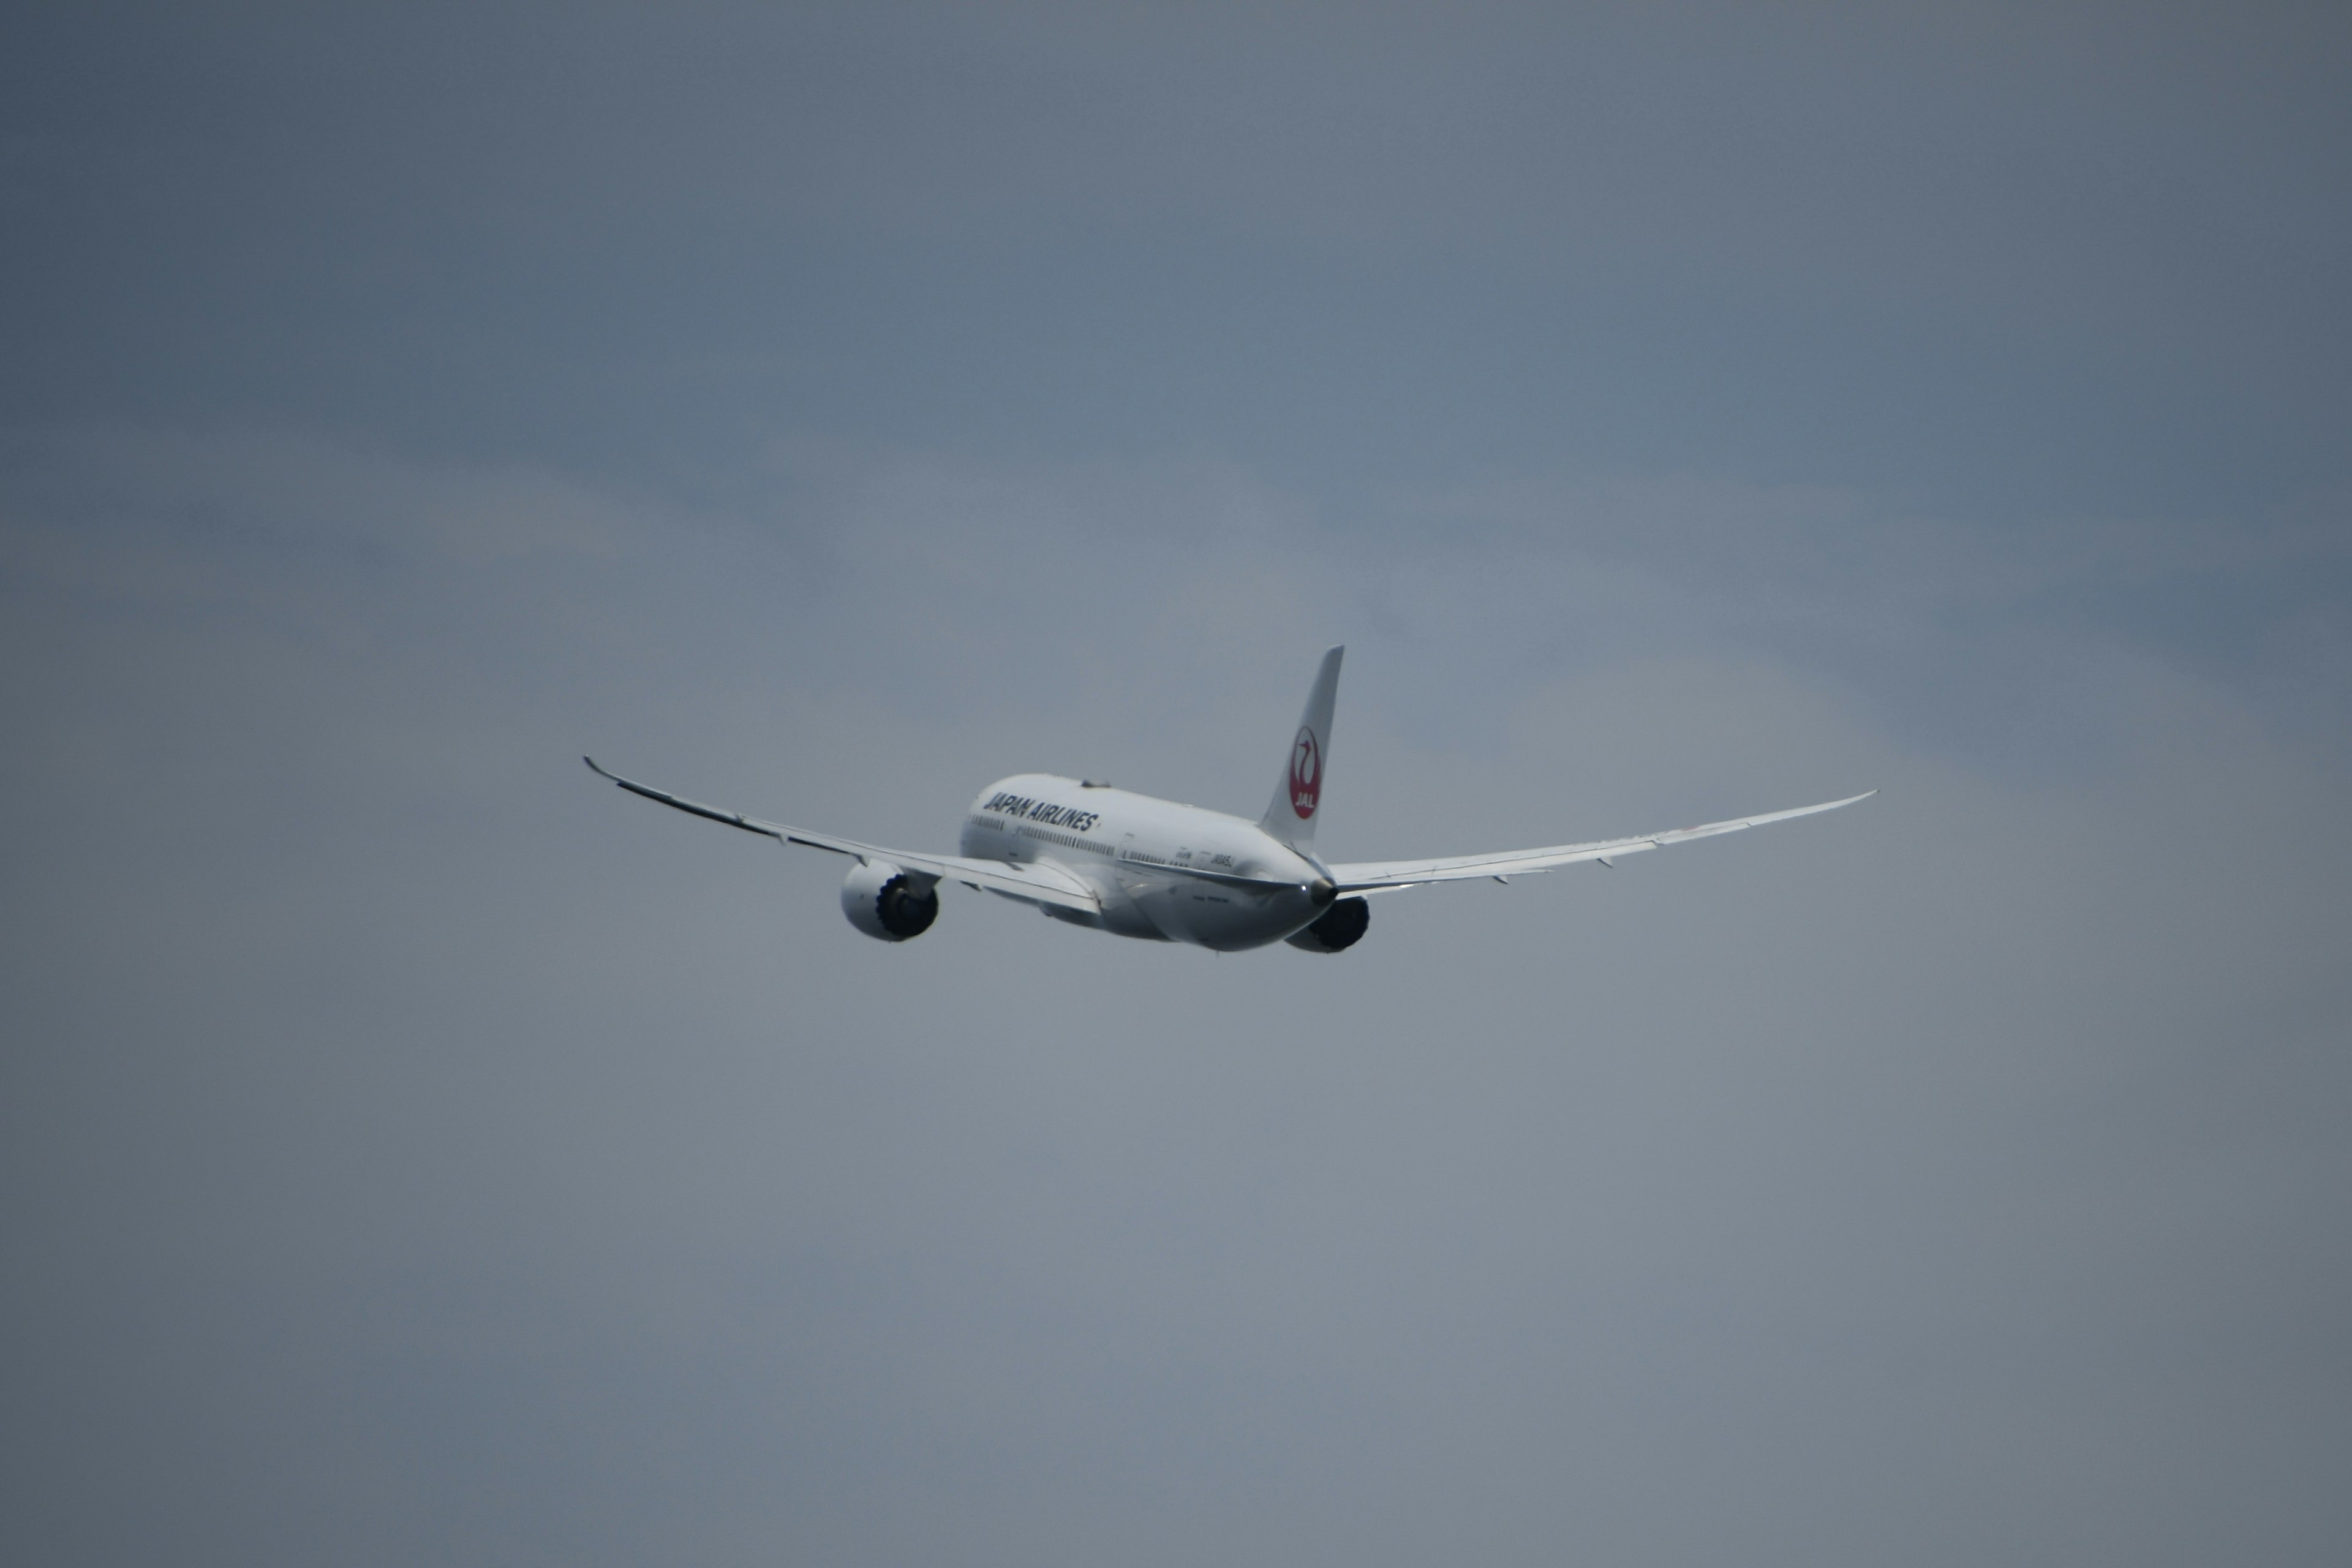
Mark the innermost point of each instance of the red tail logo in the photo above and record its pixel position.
(1306, 773)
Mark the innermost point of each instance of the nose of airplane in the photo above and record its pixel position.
(1322, 891)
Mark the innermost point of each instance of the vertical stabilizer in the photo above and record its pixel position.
(1299, 797)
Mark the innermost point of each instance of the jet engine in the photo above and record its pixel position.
(884, 901)
(1340, 926)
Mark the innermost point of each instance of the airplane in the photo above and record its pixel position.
(1134, 865)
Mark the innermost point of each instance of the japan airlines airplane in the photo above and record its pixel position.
(1133, 866)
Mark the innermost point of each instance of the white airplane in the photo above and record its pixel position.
(1133, 866)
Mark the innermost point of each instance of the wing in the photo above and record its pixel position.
(1380, 876)
(1042, 884)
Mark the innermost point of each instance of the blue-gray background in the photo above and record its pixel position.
(412, 1149)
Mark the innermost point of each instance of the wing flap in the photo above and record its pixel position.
(1040, 883)
(1380, 876)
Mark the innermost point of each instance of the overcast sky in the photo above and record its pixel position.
(413, 1150)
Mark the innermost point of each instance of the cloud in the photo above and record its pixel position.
(413, 1148)
(407, 1119)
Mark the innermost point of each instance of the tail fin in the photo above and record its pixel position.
(1291, 817)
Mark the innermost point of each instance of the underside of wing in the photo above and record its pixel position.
(1043, 884)
(1382, 876)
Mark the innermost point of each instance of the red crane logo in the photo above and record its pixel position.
(1306, 773)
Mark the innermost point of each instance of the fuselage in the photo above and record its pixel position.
(1164, 872)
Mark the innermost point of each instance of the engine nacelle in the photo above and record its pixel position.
(1341, 926)
(884, 901)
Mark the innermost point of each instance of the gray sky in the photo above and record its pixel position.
(411, 1149)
